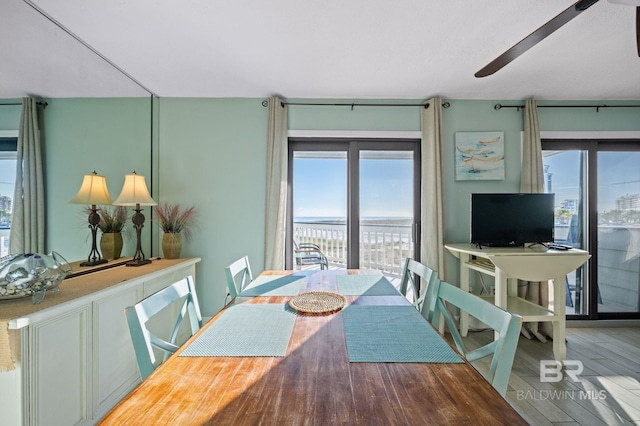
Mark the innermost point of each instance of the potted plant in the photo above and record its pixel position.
(112, 221)
(177, 224)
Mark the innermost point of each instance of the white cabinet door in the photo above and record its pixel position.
(60, 371)
(115, 371)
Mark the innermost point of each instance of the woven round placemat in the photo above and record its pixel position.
(318, 302)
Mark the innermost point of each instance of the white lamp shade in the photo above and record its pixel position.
(93, 191)
(134, 191)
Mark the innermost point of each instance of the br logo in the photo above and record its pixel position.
(551, 370)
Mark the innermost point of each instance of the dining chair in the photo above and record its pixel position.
(410, 283)
(309, 254)
(507, 325)
(138, 316)
(238, 277)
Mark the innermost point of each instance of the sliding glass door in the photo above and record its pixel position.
(597, 187)
(357, 200)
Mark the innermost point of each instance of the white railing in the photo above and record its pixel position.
(383, 247)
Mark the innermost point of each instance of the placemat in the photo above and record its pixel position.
(365, 285)
(393, 334)
(269, 285)
(246, 330)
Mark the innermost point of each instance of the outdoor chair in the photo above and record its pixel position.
(309, 254)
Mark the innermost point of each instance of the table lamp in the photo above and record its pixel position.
(135, 193)
(93, 191)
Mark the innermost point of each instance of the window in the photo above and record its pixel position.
(597, 187)
(8, 145)
(356, 199)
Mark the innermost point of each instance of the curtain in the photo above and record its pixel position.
(532, 181)
(28, 217)
(276, 191)
(431, 199)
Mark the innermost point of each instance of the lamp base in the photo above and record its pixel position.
(138, 262)
(94, 262)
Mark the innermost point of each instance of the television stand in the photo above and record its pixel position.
(507, 265)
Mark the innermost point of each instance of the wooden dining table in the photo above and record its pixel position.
(314, 382)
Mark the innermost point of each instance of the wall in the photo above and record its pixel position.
(212, 155)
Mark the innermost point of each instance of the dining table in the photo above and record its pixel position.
(264, 360)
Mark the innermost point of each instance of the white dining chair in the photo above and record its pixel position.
(507, 325)
(139, 315)
(238, 277)
(412, 274)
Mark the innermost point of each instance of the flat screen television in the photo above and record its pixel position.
(511, 220)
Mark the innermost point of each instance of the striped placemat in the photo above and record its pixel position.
(393, 334)
(270, 285)
(365, 285)
(246, 330)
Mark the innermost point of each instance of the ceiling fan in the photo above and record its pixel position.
(538, 35)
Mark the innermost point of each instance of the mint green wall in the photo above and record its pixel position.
(212, 155)
(10, 114)
(110, 136)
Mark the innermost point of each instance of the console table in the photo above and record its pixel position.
(508, 264)
(70, 358)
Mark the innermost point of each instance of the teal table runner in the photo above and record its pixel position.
(270, 285)
(246, 330)
(365, 285)
(393, 334)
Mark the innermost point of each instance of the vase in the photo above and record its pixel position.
(171, 245)
(111, 245)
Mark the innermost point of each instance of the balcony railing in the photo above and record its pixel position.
(382, 246)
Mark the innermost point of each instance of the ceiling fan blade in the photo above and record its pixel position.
(535, 37)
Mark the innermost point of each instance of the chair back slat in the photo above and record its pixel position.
(506, 324)
(238, 277)
(139, 315)
(410, 283)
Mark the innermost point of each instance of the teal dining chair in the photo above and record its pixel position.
(410, 284)
(139, 315)
(506, 324)
(238, 277)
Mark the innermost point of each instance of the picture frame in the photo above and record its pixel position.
(479, 155)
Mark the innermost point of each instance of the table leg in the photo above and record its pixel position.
(501, 291)
(464, 285)
(559, 325)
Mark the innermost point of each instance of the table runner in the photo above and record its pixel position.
(365, 285)
(270, 285)
(246, 330)
(393, 334)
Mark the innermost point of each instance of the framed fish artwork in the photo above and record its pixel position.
(479, 155)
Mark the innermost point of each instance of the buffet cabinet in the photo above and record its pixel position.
(72, 357)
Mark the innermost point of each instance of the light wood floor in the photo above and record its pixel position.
(609, 389)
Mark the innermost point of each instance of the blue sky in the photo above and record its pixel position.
(320, 187)
(7, 177)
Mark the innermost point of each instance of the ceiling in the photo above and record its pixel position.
(334, 49)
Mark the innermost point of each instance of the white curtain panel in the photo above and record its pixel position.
(28, 217)
(532, 181)
(431, 199)
(276, 193)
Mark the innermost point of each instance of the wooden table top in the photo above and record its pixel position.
(314, 384)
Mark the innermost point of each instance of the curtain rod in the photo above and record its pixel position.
(597, 107)
(354, 104)
(43, 104)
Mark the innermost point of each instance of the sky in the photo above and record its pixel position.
(7, 177)
(320, 187)
(618, 174)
